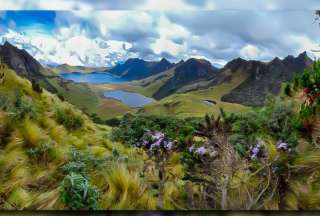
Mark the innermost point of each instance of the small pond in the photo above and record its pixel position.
(134, 100)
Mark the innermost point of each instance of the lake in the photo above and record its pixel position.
(92, 78)
(133, 100)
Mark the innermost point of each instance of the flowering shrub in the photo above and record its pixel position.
(158, 147)
(156, 141)
(134, 128)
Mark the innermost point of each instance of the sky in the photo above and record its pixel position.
(104, 33)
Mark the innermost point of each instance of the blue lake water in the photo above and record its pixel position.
(92, 78)
(132, 99)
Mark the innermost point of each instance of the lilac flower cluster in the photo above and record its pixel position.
(156, 140)
(256, 150)
(199, 151)
(282, 146)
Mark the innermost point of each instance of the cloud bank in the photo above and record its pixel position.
(104, 38)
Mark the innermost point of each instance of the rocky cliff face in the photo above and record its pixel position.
(135, 69)
(24, 64)
(263, 78)
(191, 71)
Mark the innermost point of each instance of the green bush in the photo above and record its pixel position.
(43, 152)
(277, 119)
(77, 194)
(287, 89)
(23, 107)
(69, 118)
(36, 87)
(133, 127)
(113, 122)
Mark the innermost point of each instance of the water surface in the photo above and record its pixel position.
(131, 99)
(92, 78)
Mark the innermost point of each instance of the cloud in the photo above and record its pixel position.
(250, 52)
(172, 5)
(107, 37)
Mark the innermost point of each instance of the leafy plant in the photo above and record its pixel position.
(77, 193)
(69, 118)
(132, 128)
(23, 107)
(36, 86)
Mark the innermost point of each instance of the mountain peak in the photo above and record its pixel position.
(136, 68)
(235, 64)
(303, 55)
(24, 64)
(7, 44)
(276, 60)
(164, 60)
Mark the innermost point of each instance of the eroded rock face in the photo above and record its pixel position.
(193, 70)
(264, 78)
(24, 64)
(135, 68)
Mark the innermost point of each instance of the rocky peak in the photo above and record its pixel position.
(235, 64)
(24, 64)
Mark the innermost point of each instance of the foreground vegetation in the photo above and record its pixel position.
(54, 157)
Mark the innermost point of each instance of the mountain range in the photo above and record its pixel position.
(259, 78)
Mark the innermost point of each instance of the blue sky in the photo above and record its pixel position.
(104, 37)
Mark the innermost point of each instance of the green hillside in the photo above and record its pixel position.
(193, 103)
(54, 157)
(41, 137)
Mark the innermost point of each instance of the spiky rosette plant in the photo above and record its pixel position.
(209, 163)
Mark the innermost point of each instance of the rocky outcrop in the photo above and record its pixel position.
(24, 64)
(188, 72)
(264, 78)
(135, 68)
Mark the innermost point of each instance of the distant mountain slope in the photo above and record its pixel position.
(25, 65)
(135, 69)
(65, 68)
(263, 78)
(188, 72)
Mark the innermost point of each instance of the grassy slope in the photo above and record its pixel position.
(81, 69)
(90, 99)
(28, 182)
(191, 103)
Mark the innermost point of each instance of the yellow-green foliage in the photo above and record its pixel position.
(126, 191)
(34, 150)
(192, 103)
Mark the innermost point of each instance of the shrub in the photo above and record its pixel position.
(81, 162)
(77, 193)
(96, 119)
(132, 128)
(36, 87)
(69, 118)
(113, 122)
(23, 107)
(43, 152)
(287, 89)
(245, 132)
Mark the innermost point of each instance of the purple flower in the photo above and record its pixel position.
(145, 142)
(191, 149)
(158, 135)
(201, 151)
(282, 146)
(254, 151)
(168, 145)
